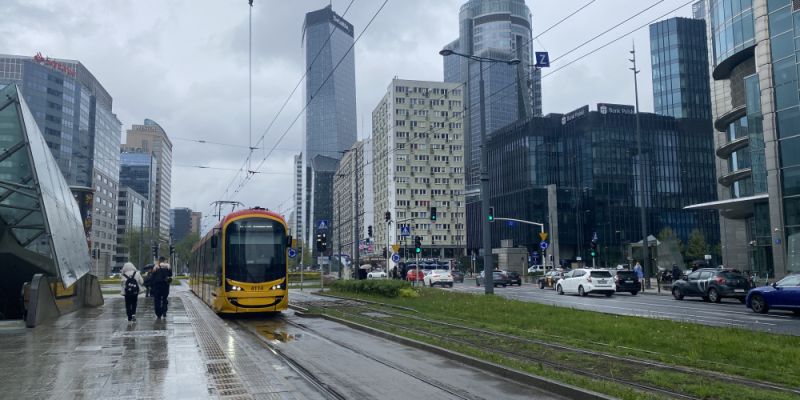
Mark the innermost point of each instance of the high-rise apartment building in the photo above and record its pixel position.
(297, 190)
(197, 221)
(151, 138)
(74, 113)
(352, 200)
(330, 120)
(680, 68)
(418, 165)
(498, 29)
(756, 112)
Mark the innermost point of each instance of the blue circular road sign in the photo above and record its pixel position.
(292, 253)
(396, 257)
(543, 245)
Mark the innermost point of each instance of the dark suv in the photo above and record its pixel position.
(627, 281)
(514, 278)
(712, 285)
(499, 278)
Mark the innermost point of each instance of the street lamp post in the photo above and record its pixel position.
(484, 172)
(642, 211)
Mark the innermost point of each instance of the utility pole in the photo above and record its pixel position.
(356, 235)
(339, 231)
(640, 154)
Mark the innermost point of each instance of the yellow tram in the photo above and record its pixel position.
(241, 265)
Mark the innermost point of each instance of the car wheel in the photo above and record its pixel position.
(559, 289)
(450, 285)
(581, 292)
(713, 296)
(541, 285)
(676, 293)
(634, 293)
(758, 304)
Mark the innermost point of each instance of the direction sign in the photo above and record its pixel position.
(405, 231)
(396, 258)
(543, 245)
(292, 253)
(542, 59)
(322, 224)
(543, 236)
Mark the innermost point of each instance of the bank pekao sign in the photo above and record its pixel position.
(574, 114)
(606, 109)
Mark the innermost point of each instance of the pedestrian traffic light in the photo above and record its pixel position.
(387, 216)
(155, 251)
(324, 242)
(369, 231)
(417, 244)
(319, 242)
(593, 249)
(491, 214)
(433, 213)
(171, 249)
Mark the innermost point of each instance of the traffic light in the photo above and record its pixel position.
(319, 242)
(94, 253)
(155, 251)
(369, 231)
(387, 216)
(417, 244)
(433, 213)
(593, 249)
(324, 242)
(491, 214)
(171, 249)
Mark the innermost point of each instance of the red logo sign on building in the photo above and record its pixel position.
(59, 66)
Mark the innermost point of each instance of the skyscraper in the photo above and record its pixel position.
(680, 68)
(180, 223)
(74, 113)
(151, 137)
(499, 29)
(330, 93)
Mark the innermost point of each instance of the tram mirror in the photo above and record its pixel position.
(289, 241)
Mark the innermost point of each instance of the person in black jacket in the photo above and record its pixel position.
(160, 279)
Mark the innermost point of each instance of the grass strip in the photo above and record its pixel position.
(755, 355)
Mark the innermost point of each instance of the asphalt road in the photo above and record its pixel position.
(728, 313)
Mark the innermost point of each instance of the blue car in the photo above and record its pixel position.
(782, 295)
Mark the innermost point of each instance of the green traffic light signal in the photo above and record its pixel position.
(593, 253)
(419, 250)
(491, 214)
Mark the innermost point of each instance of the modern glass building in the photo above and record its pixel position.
(679, 56)
(74, 113)
(756, 111)
(498, 29)
(330, 93)
(590, 157)
(180, 223)
(133, 215)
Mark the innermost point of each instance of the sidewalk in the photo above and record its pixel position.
(95, 354)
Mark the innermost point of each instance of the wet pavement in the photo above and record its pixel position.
(95, 354)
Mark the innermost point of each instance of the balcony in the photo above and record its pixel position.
(721, 124)
(725, 151)
(728, 179)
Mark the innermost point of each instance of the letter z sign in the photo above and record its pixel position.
(542, 59)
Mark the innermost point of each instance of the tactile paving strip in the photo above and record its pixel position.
(227, 385)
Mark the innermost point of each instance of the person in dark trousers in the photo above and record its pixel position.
(132, 282)
(161, 278)
(676, 272)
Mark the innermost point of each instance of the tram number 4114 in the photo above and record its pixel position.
(258, 288)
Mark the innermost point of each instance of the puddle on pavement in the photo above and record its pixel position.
(276, 332)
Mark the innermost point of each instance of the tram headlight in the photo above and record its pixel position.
(277, 287)
(236, 288)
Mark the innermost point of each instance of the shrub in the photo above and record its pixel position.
(386, 288)
(408, 292)
(307, 276)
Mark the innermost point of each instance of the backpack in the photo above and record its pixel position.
(131, 286)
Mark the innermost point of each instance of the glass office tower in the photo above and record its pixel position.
(498, 29)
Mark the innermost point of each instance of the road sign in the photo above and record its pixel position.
(322, 225)
(543, 236)
(542, 59)
(396, 258)
(395, 248)
(543, 245)
(405, 231)
(292, 253)
(594, 236)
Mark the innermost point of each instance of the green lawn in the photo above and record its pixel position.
(757, 355)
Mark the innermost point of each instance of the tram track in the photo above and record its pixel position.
(462, 335)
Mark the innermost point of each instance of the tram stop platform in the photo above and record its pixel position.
(94, 353)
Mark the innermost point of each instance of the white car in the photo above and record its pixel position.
(535, 268)
(583, 281)
(377, 274)
(441, 277)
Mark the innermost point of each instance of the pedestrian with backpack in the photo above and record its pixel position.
(131, 285)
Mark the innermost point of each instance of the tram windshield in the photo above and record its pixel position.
(255, 251)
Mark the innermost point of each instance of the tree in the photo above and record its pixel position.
(305, 257)
(696, 248)
(183, 249)
(670, 248)
(141, 242)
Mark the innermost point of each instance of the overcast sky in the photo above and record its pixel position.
(184, 64)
